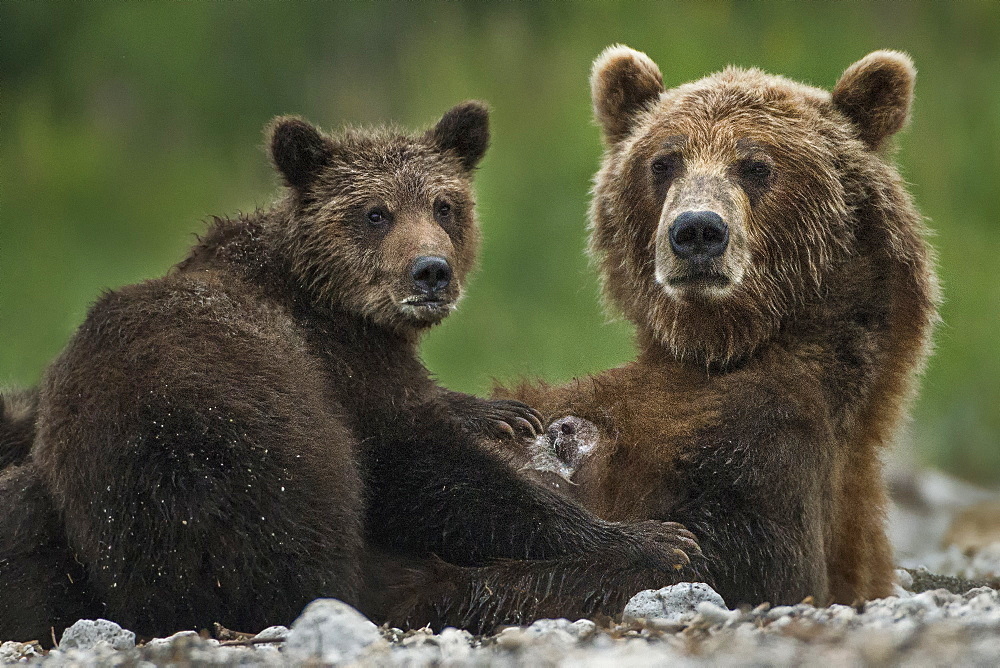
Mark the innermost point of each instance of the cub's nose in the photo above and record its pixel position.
(431, 274)
(698, 234)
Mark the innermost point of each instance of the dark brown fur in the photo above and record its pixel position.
(18, 411)
(44, 587)
(768, 379)
(219, 443)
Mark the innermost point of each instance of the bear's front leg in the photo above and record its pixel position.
(473, 507)
(516, 592)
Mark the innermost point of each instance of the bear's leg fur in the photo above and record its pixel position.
(480, 599)
(43, 588)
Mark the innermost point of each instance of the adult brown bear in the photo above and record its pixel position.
(217, 445)
(783, 295)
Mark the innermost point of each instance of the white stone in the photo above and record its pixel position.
(779, 611)
(713, 614)
(158, 643)
(13, 652)
(560, 630)
(330, 631)
(672, 603)
(89, 633)
(455, 644)
(842, 613)
(272, 633)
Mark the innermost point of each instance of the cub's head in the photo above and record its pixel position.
(725, 205)
(381, 223)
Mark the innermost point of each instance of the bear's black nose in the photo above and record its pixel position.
(431, 274)
(698, 234)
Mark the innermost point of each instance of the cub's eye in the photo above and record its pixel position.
(665, 166)
(443, 209)
(377, 216)
(756, 170)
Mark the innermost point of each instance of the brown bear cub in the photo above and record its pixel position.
(221, 443)
(783, 295)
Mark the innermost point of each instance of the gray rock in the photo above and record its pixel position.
(330, 631)
(455, 644)
(272, 633)
(546, 642)
(89, 633)
(674, 603)
(100, 655)
(180, 636)
(555, 632)
(424, 648)
(578, 630)
(183, 647)
(711, 613)
(780, 611)
(13, 652)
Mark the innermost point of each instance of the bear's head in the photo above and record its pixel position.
(380, 223)
(726, 206)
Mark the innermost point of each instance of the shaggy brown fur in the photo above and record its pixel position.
(220, 442)
(17, 425)
(773, 370)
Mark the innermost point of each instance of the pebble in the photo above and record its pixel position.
(89, 633)
(558, 632)
(713, 614)
(330, 631)
(673, 604)
(170, 641)
(14, 652)
(928, 629)
(272, 633)
(981, 565)
(686, 625)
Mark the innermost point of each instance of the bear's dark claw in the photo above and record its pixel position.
(497, 419)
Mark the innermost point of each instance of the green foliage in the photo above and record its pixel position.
(126, 124)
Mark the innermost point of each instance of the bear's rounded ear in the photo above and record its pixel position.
(465, 131)
(623, 82)
(298, 150)
(875, 94)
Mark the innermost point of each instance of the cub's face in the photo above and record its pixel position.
(721, 204)
(383, 224)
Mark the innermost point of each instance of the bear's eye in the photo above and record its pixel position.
(377, 216)
(755, 170)
(442, 209)
(665, 166)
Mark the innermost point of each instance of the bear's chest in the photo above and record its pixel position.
(649, 422)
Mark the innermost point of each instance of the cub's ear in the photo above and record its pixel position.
(875, 94)
(298, 150)
(465, 131)
(623, 82)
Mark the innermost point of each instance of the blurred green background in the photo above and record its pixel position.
(125, 125)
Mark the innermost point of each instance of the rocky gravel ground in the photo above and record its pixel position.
(937, 617)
